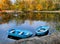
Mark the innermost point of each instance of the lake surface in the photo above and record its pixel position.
(29, 20)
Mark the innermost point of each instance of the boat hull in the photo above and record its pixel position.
(45, 31)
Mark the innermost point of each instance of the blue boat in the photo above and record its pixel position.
(42, 30)
(18, 33)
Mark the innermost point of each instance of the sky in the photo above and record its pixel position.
(13, 1)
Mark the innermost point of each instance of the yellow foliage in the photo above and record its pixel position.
(3, 0)
(39, 7)
(30, 7)
(53, 7)
(5, 4)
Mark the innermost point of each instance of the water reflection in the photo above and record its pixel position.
(33, 20)
(30, 16)
(4, 28)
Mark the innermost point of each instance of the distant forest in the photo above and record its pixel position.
(30, 5)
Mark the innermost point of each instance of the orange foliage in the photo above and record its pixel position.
(3, 0)
(39, 7)
(5, 4)
(0, 5)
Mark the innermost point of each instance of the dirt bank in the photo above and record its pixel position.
(54, 38)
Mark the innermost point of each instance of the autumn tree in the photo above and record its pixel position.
(5, 4)
(38, 5)
(20, 5)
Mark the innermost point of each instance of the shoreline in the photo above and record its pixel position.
(48, 39)
(12, 11)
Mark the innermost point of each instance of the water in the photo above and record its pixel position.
(21, 22)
